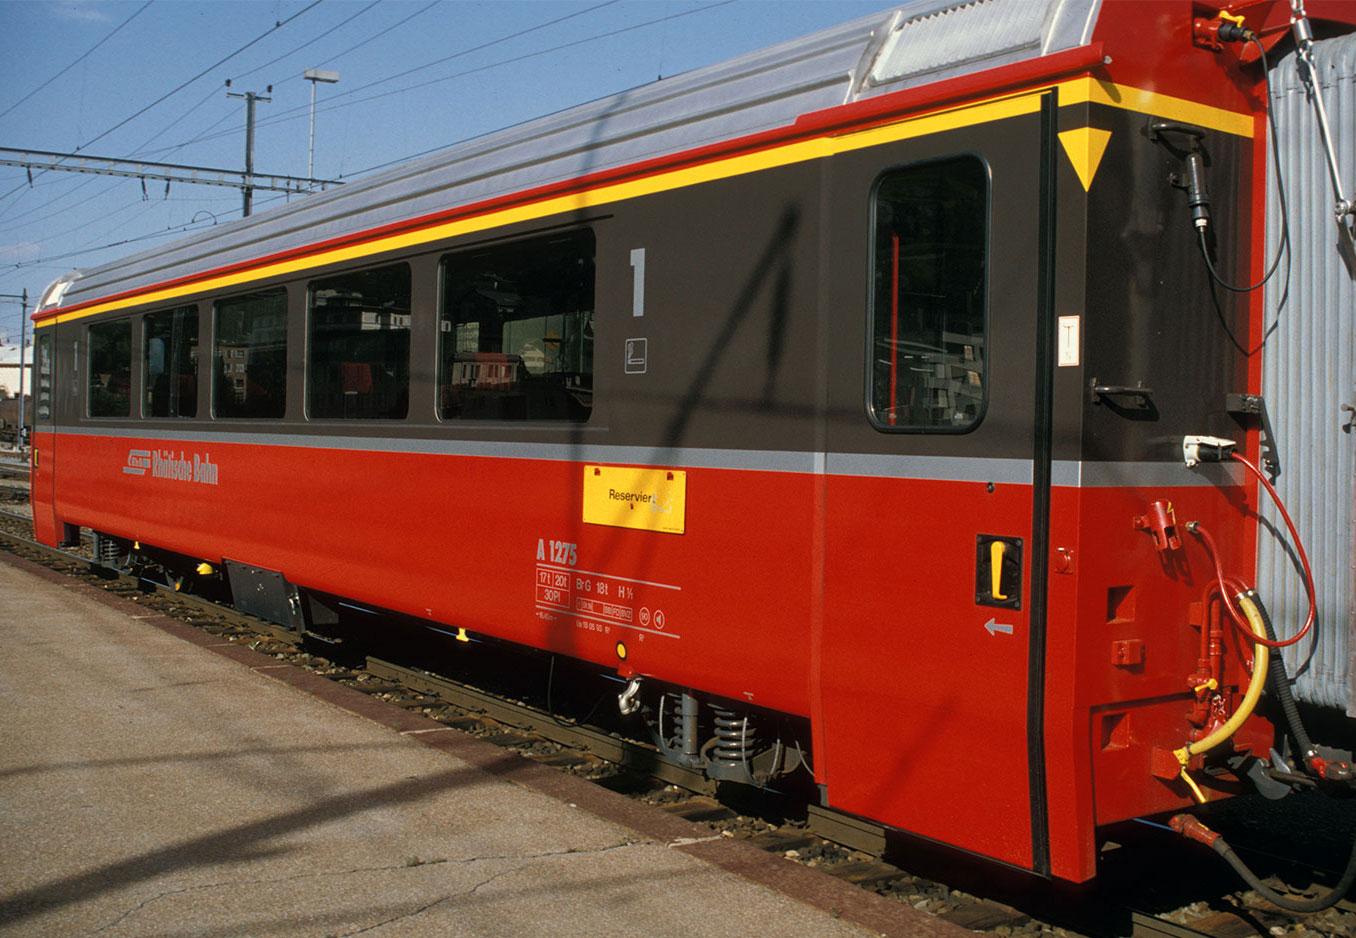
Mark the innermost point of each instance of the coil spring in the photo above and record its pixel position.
(734, 742)
(109, 551)
(672, 720)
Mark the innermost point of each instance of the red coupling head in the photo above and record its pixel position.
(1188, 826)
(1330, 769)
(1161, 522)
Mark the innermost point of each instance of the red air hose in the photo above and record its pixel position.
(1240, 622)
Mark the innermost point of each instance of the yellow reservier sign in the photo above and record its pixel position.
(645, 499)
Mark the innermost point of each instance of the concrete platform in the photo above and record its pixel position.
(157, 781)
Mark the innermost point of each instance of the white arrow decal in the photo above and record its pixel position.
(994, 626)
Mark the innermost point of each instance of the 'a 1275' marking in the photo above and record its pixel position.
(561, 552)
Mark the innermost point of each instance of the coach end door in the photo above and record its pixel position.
(936, 481)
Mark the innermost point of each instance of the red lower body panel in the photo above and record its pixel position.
(849, 600)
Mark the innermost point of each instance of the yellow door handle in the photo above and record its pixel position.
(996, 551)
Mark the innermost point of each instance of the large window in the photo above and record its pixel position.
(171, 362)
(516, 330)
(358, 345)
(250, 355)
(110, 369)
(930, 296)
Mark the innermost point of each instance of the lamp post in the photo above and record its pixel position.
(314, 75)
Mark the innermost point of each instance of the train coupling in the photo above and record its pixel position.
(628, 701)
(1330, 770)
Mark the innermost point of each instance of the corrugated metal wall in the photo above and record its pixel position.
(1308, 375)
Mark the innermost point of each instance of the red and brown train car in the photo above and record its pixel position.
(835, 396)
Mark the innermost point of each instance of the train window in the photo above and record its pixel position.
(110, 369)
(516, 330)
(250, 355)
(43, 354)
(930, 296)
(171, 363)
(358, 345)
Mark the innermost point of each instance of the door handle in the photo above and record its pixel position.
(998, 571)
(997, 549)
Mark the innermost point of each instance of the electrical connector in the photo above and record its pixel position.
(1235, 32)
(1197, 449)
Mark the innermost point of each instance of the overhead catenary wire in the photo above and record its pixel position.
(257, 39)
(375, 36)
(174, 229)
(169, 94)
(309, 42)
(207, 134)
(464, 52)
(19, 220)
(90, 51)
(299, 112)
(192, 109)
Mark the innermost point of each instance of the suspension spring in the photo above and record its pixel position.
(678, 729)
(734, 742)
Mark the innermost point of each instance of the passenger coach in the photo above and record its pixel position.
(834, 398)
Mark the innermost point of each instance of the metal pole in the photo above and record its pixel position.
(249, 149)
(247, 191)
(23, 328)
(23, 332)
(310, 147)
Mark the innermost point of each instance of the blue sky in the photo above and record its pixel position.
(415, 75)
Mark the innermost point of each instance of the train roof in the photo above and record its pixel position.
(919, 43)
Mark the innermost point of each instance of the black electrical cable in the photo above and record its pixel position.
(1280, 683)
(1284, 246)
(1280, 687)
(1315, 904)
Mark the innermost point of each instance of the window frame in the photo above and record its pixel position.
(214, 401)
(440, 313)
(146, 364)
(308, 384)
(43, 392)
(877, 420)
(89, 367)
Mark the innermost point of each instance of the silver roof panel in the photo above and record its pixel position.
(752, 93)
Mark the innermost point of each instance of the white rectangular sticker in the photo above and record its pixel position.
(1070, 341)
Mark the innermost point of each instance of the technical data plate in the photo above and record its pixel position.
(265, 594)
(644, 499)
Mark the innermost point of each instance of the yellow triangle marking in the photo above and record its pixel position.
(1084, 148)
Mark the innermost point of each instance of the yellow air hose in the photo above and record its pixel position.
(1260, 659)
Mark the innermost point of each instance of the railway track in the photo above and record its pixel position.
(959, 891)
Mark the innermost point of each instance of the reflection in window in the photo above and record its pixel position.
(250, 356)
(43, 354)
(929, 298)
(110, 369)
(516, 330)
(171, 377)
(359, 345)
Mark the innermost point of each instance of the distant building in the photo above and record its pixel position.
(9, 370)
